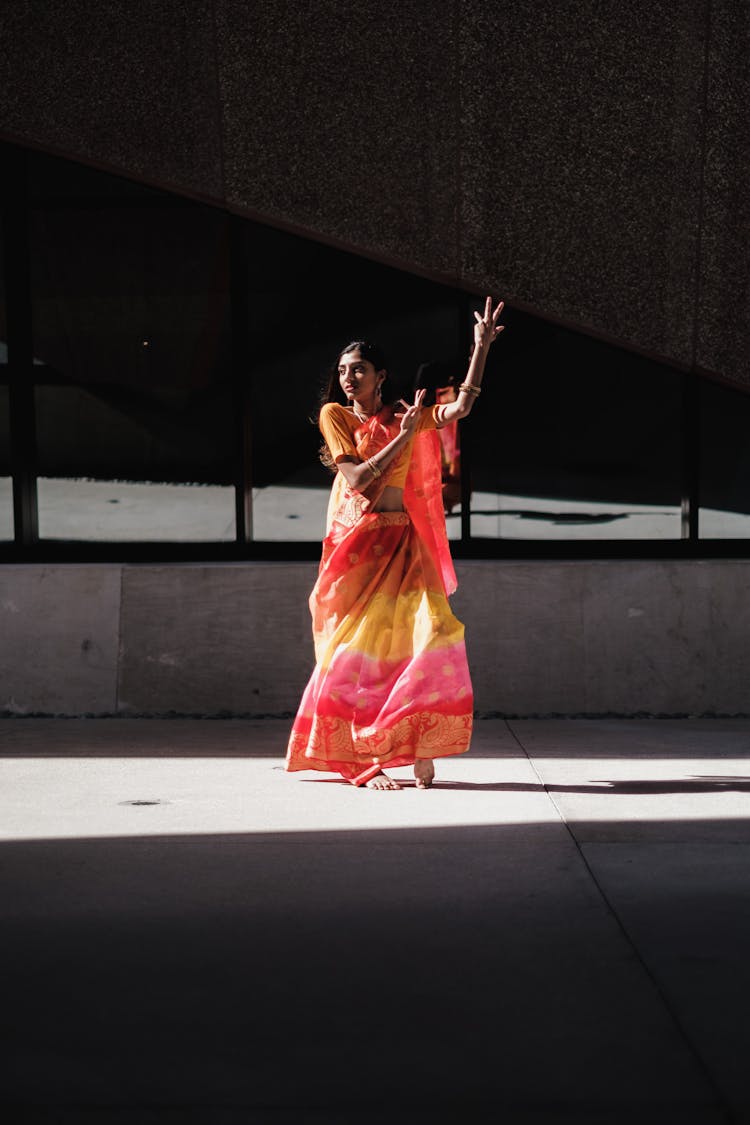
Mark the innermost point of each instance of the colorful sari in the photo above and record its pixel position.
(391, 682)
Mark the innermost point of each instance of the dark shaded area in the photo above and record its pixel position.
(724, 449)
(581, 518)
(567, 416)
(130, 291)
(305, 301)
(114, 737)
(602, 785)
(4, 433)
(586, 160)
(475, 970)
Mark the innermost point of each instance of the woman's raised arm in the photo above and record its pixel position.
(486, 330)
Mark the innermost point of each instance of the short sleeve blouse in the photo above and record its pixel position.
(337, 425)
(337, 430)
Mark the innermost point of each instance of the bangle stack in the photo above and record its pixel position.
(376, 472)
(468, 389)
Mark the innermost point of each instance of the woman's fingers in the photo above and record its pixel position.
(418, 400)
(411, 411)
(487, 328)
(489, 317)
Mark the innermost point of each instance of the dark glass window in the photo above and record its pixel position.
(6, 482)
(724, 463)
(134, 406)
(574, 439)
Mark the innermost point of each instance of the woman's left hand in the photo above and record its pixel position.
(410, 416)
(487, 329)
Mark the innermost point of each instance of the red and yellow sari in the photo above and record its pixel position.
(391, 682)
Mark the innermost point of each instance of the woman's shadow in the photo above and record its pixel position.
(699, 783)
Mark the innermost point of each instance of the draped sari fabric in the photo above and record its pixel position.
(391, 682)
(450, 453)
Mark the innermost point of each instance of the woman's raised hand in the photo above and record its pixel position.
(487, 329)
(410, 417)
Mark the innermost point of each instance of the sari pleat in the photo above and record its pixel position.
(391, 682)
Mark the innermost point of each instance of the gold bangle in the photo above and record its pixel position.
(468, 389)
(376, 472)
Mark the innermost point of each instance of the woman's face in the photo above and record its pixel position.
(358, 378)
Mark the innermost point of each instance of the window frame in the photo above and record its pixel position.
(22, 377)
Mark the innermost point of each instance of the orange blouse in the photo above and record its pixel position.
(338, 425)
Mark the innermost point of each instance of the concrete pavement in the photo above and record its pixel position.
(557, 932)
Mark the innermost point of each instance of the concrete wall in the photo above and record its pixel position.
(655, 637)
(586, 158)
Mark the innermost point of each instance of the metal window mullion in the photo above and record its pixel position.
(241, 379)
(22, 414)
(690, 504)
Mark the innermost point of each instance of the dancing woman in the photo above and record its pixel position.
(391, 684)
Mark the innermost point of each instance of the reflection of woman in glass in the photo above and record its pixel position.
(391, 684)
(441, 387)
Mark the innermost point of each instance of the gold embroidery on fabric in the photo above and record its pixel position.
(426, 733)
(351, 509)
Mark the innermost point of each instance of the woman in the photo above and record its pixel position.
(391, 684)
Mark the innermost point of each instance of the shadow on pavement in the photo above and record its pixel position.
(429, 974)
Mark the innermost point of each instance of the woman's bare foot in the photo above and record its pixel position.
(382, 781)
(424, 772)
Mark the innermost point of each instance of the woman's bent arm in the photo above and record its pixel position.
(360, 474)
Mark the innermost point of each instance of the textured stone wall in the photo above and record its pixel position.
(585, 158)
(543, 638)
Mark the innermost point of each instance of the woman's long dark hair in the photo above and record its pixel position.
(332, 392)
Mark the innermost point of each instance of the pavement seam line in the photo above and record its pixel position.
(723, 1107)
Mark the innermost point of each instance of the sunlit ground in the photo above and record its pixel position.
(100, 778)
(118, 511)
(88, 798)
